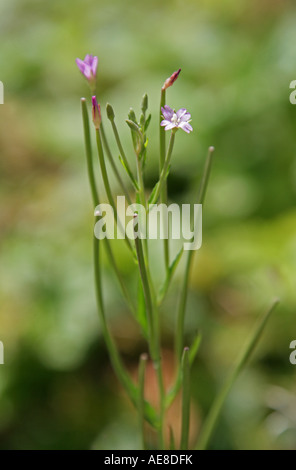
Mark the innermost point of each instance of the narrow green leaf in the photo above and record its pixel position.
(194, 348)
(154, 190)
(189, 256)
(214, 413)
(134, 182)
(148, 120)
(170, 273)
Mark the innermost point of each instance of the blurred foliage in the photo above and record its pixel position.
(57, 390)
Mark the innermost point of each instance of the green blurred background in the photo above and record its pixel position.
(57, 389)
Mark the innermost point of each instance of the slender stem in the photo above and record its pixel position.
(147, 294)
(114, 356)
(158, 368)
(172, 439)
(114, 168)
(182, 306)
(88, 151)
(124, 290)
(164, 191)
(121, 151)
(141, 182)
(153, 331)
(96, 201)
(185, 400)
(163, 175)
(110, 345)
(149, 412)
(119, 369)
(172, 393)
(107, 185)
(142, 369)
(161, 132)
(205, 176)
(213, 416)
(189, 257)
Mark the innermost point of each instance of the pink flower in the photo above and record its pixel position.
(173, 119)
(96, 112)
(88, 67)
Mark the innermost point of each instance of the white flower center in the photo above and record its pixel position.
(175, 119)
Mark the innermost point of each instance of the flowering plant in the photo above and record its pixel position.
(147, 312)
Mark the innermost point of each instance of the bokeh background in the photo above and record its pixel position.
(57, 389)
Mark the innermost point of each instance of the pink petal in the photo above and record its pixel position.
(80, 65)
(167, 112)
(186, 117)
(181, 112)
(94, 65)
(186, 127)
(169, 126)
(88, 59)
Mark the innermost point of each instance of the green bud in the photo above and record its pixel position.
(133, 125)
(144, 105)
(132, 115)
(110, 112)
(142, 120)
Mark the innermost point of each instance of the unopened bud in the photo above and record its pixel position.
(132, 115)
(171, 80)
(96, 113)
(144, 105)
(110, 112)
(142, 120)
(132, 125)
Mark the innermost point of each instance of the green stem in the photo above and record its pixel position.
(185, 400)
(142, 369)
(114, 168)
(172, 439)
(163, 175)
(96, 201)
(172, 393)
(213, 416)
(189, 257)
(107, 185)
(88, 151)
(149, 412)
(122, 152)
(115, 359)
(161, 133)
(124, 290)
(164, 191)
(147, 294)
(153, 331)
(141, 182)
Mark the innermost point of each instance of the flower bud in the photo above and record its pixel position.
(171, 80)
(132, 115)
(144, 105)
(96, 113)
(110, 112)
(133, 125)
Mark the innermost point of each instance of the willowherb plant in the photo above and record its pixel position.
(147, 312)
